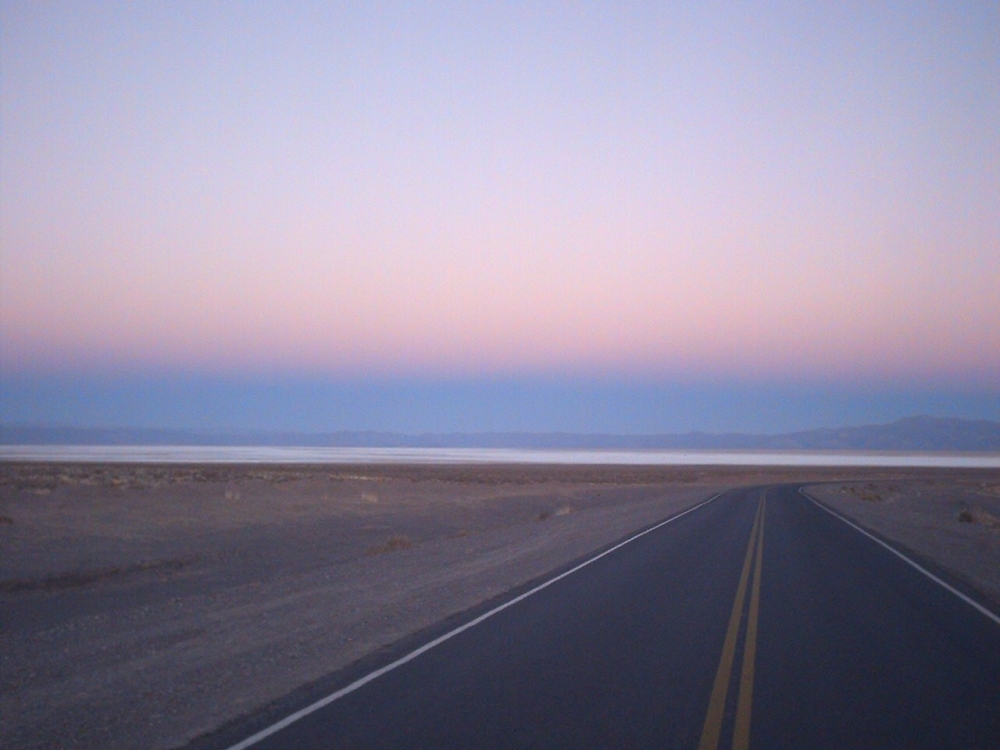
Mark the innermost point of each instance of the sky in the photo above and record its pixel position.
(592, 217)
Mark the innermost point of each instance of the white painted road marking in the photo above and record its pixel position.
(904, 558)
(302, 713)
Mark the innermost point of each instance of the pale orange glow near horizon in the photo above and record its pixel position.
(431, 312)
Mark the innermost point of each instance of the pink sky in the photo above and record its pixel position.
(764, 191)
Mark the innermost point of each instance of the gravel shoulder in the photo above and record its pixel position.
(144, 606)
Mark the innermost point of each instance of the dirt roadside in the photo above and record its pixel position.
(143, 606)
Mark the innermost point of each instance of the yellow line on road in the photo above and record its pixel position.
(720, 689)
(741, 731)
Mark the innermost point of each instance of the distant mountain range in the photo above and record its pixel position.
(911, 434)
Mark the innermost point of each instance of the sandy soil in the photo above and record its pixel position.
(142, 606)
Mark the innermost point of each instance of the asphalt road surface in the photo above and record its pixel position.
(756, 620)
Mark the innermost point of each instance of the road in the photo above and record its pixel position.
(757, 620)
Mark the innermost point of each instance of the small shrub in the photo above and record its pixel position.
(393, 544)
(965, 516)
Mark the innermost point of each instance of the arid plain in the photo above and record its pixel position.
(146, 605)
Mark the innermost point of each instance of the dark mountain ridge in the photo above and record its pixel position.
(921, 433)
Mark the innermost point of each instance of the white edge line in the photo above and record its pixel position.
(904, 558)
(301, 713)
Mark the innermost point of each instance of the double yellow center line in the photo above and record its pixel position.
(712, 729)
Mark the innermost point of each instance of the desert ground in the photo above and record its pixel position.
(147, 605)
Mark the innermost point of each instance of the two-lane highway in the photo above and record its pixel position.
(756, 620)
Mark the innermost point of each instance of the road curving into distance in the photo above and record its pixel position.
(758, 619)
